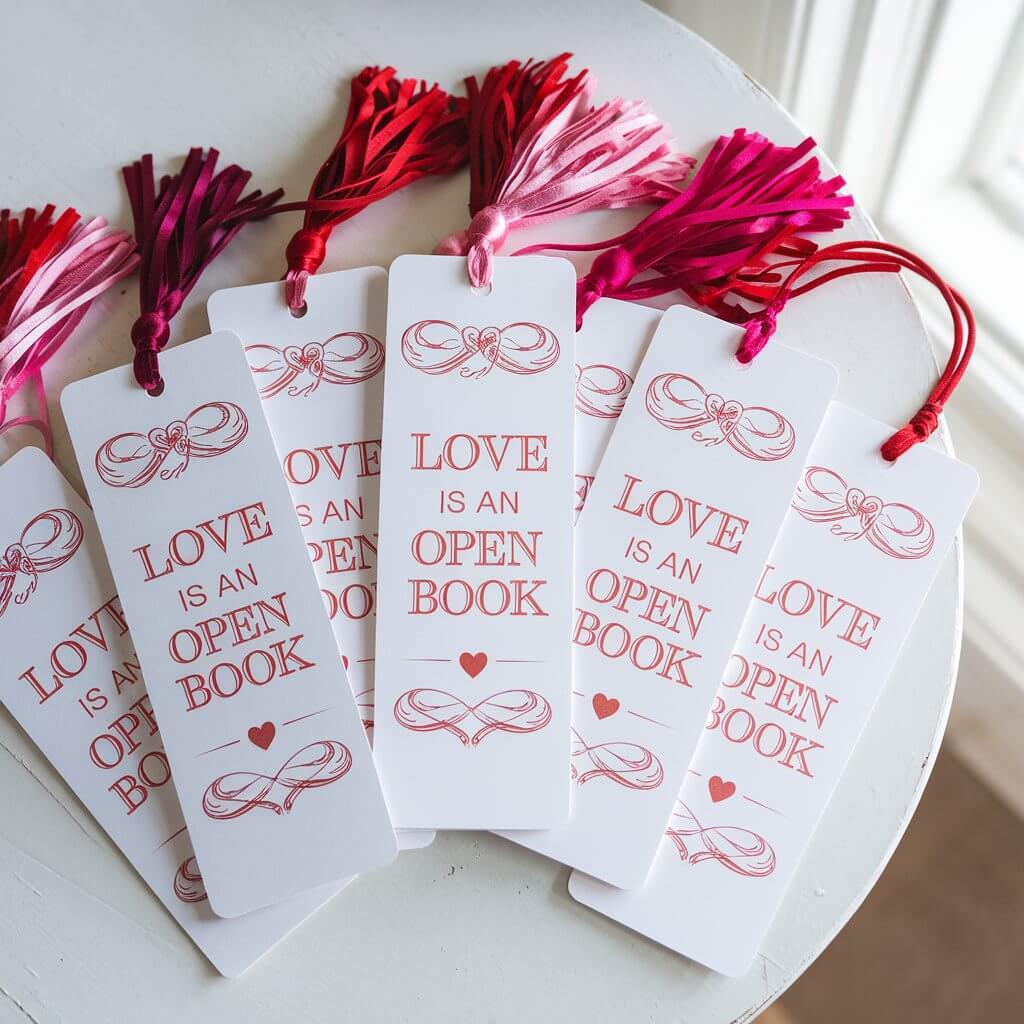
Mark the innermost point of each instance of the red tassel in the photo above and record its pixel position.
(396, 131)
(181, 225)
(745, 204)
(25, 245)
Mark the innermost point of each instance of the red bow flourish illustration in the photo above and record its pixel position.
(47, 542)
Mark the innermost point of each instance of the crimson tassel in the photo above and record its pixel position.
(396, 131)
(744, 205)
(537, 153)
(181, 225)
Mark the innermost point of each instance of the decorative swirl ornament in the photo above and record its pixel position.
(513, 711)
(756, 432)
(738, 849)
(133, 459)
(346, 358)
(895, 529)
(438, 347)
(316, 764)
(602, 390)
(627, 764)
(188, 882)
(48, 541)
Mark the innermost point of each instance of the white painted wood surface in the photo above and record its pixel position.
(471, 928)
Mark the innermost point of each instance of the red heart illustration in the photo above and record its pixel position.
(263, 735)
(604, 706)
(473, 664)
(720, 789)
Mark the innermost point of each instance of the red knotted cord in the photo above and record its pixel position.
(870, 257)
(396, 131)
(181, 226)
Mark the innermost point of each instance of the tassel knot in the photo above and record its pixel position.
(759, 331)
(396, 131)
(921, 426)
(612, 270)
(150, 334)
(305, 255)
(539, 152)
(487, 232)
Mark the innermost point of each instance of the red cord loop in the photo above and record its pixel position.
(612, 270)
(870, 257)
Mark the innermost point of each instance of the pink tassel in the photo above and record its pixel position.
(567, 159)
(51, 271)
(745, 204)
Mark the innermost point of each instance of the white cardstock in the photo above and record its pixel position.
(321, 378)
(475, 574)
(270, 760)
(859, 549)
(609, 349)
(678, 522)
(72, 680)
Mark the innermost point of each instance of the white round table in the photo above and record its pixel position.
(472, 928)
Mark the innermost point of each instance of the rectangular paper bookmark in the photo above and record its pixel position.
(609, 349)
(269, 756)
(73, 682)
(475, 575)
(321, 378)
(684, 508)
(859, 549)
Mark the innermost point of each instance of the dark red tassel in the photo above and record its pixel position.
(396, 131)
(181, 224)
